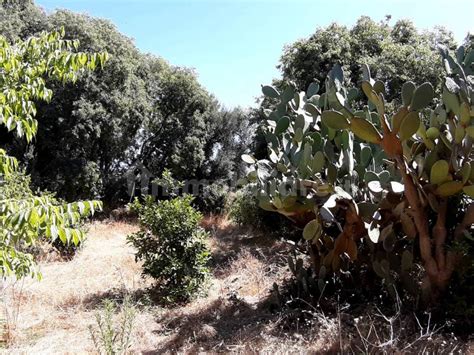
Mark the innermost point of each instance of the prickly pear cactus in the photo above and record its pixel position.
(357, 175)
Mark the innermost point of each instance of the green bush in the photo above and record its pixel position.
(388, 186)
(212, 199)
(245, 211)
(172, 247)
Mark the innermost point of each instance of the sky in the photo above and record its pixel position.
(235, 45)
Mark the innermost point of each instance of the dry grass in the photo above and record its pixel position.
(55, 313)
(237, 315)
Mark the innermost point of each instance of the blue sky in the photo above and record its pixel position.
(234, 45)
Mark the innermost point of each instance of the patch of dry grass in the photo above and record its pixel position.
(55, 313)
(238, 313)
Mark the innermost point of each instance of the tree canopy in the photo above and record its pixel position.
(395, 54)
(137, 108)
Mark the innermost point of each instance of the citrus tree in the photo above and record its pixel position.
(24, 65)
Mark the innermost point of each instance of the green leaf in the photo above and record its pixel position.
(379, 87)
(312, 230)
(313, 89)
(288, 94)
(312, 110)
(282, 125)
(409, 125)
(318, 162)
(451, 101)
(365, 155)
(370, 93)
(439, 172)
(466, 172)
(449, 188)
(432, 133)
(62, 235)
(300, 122)
(331, 173)
(334, 120)
(365, 130)
(465, 113)
(459, 134)
(298, 137)
(408, 89)
(422, 96)
(270, 91)
(469, 190)
(470, 131)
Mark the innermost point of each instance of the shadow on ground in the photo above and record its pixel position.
(230, 240)
(223, 325)
(139, 298)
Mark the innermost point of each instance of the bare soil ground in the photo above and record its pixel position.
(53, 315)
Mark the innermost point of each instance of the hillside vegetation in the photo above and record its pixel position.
(137, 215)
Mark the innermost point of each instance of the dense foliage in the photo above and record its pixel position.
(25, 216)
(244, 210)
(138, 109)
(395, 54)
(373, 185)
(172, 247)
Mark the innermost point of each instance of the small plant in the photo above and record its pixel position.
(113, 336)
(172, 246)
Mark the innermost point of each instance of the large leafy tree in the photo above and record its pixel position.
(138, 108)
(174, 134)
(20, 18)
(230, 134)
(395, 54)
(95, 119)
(187, 132)
(24, 216)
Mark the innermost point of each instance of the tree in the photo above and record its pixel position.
(95, 119)
(187, 132)
(137, 108)
(20, 19)
(230, 134)
(395, 54)
(25, 216)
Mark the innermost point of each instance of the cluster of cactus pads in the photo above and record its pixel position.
(390, 185)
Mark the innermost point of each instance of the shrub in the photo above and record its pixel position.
(245, 211)
(380, 185)
(212, 199)
(16, 186)
(172, 246)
